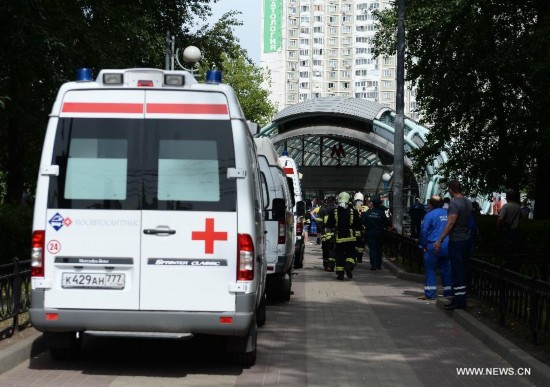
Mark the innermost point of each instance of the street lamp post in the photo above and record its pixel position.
(191, 55)
(386, 177)
(399, 151)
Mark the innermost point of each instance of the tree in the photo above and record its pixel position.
(247, 80)
(42, 42)
(482, 73)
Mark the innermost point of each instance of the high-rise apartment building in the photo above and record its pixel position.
(321, 48)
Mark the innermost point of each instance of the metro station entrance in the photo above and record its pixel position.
(346, 144)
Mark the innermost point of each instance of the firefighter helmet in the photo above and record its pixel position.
(343, 197)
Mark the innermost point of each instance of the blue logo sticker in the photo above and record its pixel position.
(56, 221)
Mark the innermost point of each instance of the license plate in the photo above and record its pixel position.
(92, 280)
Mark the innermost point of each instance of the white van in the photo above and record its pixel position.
(279, 223)
(291, 170)
(148, 218)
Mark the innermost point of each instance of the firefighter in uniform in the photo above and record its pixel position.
(319, 215)
(343, 221)
(327, 239)
(358, 200)
(307, 226)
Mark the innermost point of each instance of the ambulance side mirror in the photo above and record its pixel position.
(252, 127)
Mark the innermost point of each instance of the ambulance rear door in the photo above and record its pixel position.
(93, 216)
(189, 219)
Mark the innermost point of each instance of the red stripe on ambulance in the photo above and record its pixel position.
(288, 171)
(100, 107)
(186, 108)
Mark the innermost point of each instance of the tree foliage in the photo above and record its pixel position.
(482, 73)
(247, 79)
(43, 42)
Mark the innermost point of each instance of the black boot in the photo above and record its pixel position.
(349, 270)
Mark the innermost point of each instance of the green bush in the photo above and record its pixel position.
(533, 235)
(15, 232)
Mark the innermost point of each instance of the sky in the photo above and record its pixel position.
(249, 34)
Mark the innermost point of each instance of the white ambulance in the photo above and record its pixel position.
(148, 219)
(291, 170)
(279, 223)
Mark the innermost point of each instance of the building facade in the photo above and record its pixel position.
(322, 48)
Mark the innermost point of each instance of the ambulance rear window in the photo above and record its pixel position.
(97, 169)
(188, 170)
(132, 164)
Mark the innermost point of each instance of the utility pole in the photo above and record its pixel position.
(167, 44)
(172, 48)
(398, 142)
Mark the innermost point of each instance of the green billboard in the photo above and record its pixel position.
(273, 18)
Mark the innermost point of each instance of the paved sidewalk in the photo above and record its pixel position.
(389, 337)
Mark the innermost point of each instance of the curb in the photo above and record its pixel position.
(13, 355)
(402, 274)
(518, 358)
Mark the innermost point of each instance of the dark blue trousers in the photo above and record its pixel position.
(459, 254)
(375, 252)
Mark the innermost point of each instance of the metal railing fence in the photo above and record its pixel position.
(516, 297)
(15, 296)
(516, 285)
(405, 250)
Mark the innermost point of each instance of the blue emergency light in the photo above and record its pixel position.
(285, 153)
(213, 76)
(84, 74)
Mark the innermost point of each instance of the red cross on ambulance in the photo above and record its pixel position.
(209, 236)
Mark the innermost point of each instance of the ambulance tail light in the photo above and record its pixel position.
(282, 232)
(245, 258)
(37, 254)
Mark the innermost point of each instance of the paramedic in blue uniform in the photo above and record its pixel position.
(432, 227)
(375, 222)
(343, 221)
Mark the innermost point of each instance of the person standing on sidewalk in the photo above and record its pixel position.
(321, 217)
(458, 230)
(507, 224)
(343, 221)
(432, 227)
(358, 200)
(375, 222)
(327, 240)
(416, 212)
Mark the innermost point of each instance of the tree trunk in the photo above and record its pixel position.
(542, 187)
